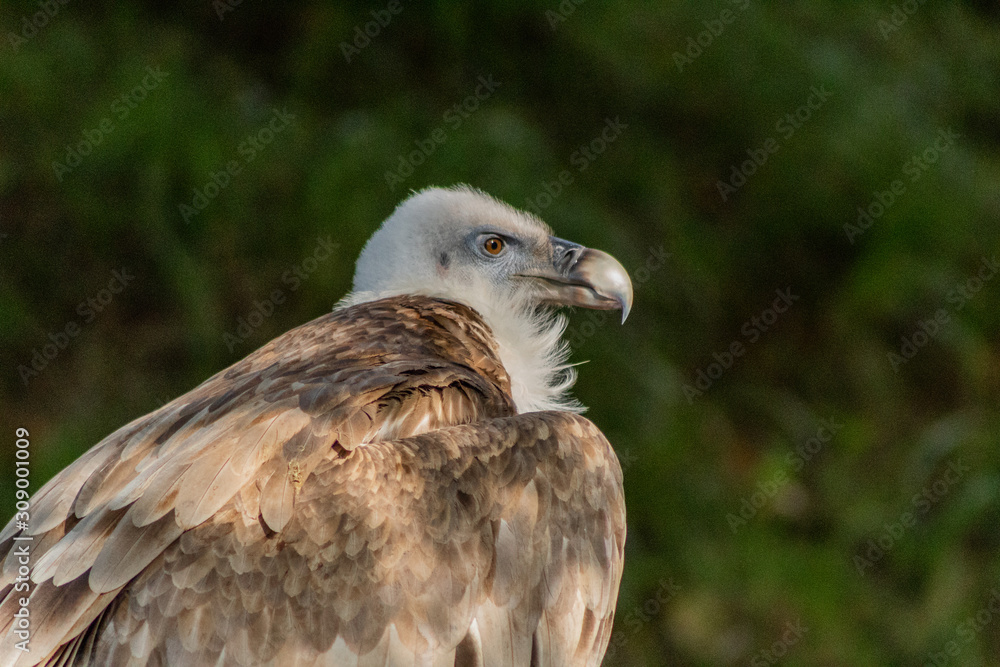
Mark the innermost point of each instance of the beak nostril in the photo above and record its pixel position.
(565, 257)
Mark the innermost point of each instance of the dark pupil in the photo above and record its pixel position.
(493, 245)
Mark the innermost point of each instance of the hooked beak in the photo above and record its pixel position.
(584, 277)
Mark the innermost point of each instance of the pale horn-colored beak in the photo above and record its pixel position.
(584, 277)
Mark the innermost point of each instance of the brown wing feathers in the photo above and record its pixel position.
(358, 491)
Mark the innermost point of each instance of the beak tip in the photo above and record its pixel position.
(626, 307)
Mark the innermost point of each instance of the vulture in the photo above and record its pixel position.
(402, 481)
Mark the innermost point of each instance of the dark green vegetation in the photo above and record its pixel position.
(759, 494)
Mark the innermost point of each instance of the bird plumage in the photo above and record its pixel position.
(403, 257)
(362, 490)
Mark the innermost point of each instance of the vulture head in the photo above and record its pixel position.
(463, 245)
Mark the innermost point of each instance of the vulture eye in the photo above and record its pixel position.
(493, 245)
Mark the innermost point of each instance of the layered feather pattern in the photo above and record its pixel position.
(359, 491)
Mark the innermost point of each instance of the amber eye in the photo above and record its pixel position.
(493, 245)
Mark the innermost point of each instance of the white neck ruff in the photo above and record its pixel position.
(530, 346)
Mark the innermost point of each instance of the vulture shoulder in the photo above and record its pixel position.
(359, 491)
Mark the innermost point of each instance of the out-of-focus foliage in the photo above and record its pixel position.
(799, 576)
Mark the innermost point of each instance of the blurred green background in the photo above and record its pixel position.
(813, 500)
